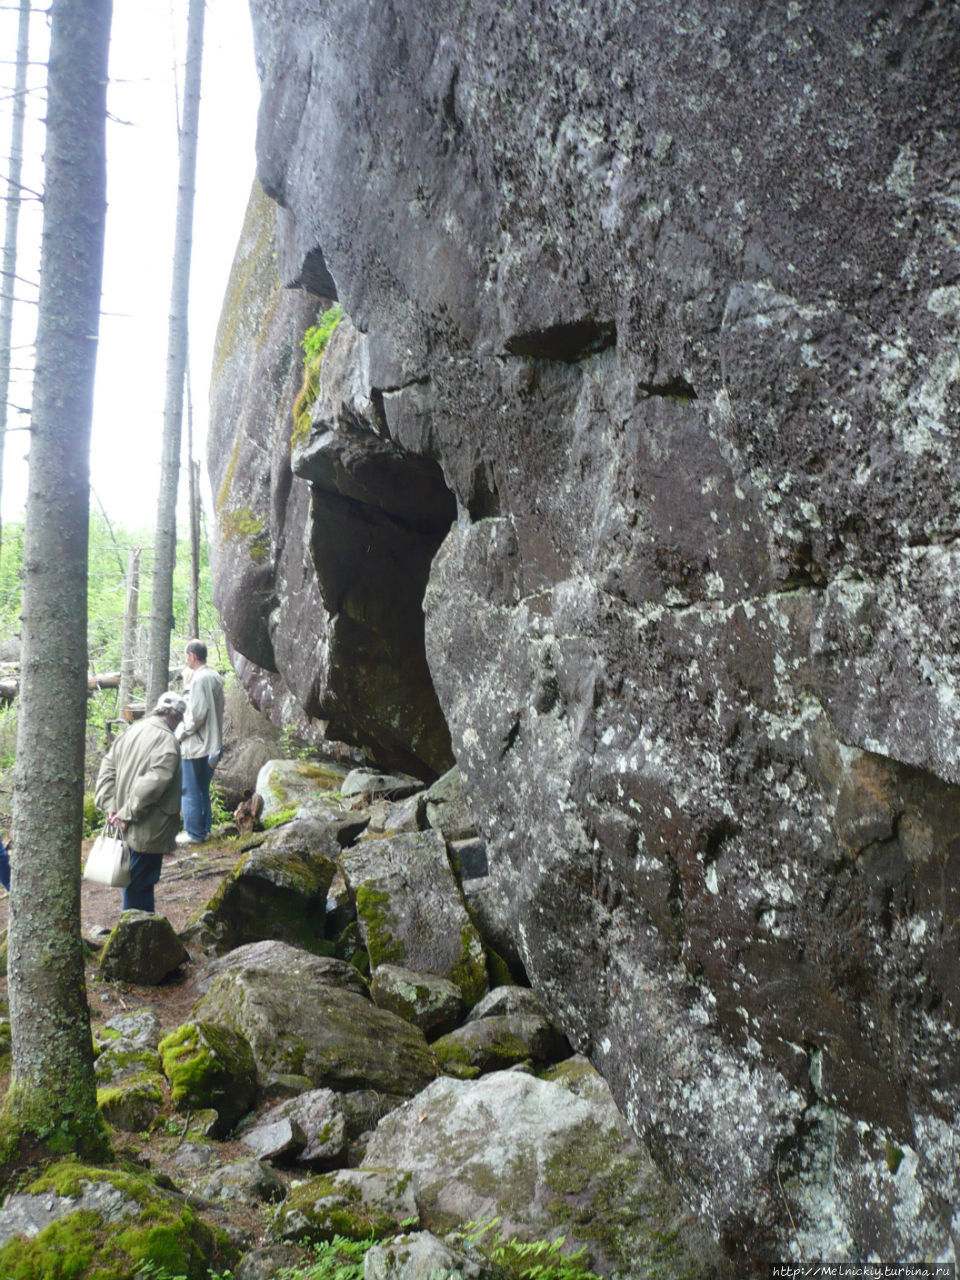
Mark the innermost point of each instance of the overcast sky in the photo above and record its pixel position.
(142, 188)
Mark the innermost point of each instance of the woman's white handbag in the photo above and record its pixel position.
(109, 859)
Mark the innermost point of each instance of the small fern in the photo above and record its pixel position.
(525, 1259)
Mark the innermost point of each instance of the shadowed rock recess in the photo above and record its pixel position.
(650, 380)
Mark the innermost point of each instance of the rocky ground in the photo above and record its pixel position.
(188, 881)
(416, 1102)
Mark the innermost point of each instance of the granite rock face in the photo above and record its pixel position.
(319, 584)
(670, 294)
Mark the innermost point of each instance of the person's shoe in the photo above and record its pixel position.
(184, 837)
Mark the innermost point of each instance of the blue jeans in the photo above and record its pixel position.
(4, 866)
(195, 800)
(145, 871)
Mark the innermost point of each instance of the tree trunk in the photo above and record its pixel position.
(165, 545)
(51, 1105)
(194, 624)
(12, 219)
(128, 655)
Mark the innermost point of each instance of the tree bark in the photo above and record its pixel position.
(165, 545)
(12, 219)
(51, 1105)
(193, 625)
(128, 655)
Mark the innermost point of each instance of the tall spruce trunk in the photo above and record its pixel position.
(165, 544)
(51, 1105)
(128, 657)
(12, 219)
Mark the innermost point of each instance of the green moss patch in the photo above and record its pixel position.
(139, 1226)
(210, 1066)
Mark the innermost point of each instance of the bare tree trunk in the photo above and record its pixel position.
(128, 659)
(51, 1104)
(165, 545)
(12, 219)
(193, 626)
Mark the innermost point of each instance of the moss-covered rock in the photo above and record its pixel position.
(431, 1003)
(309, 787)
(410, 910)
(278, 889)
(142, 948)
(132, 1105)
(491, 1044)
(210, 1066)
(103, 1224)
(545, 1161)
(356, 1204)
(298, 1021)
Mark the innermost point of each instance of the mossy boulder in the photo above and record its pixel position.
(124, 1060)
(277, 890)
(86, 1223)
(209, 1065)
(353, 1203)
(304, 1015)
(310, 787)
(545, 1161)
(433, 1004)
(132, 1105)
(410, 910)
(142, 948)
(367, 784)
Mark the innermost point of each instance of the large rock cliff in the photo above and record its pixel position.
(670, 293)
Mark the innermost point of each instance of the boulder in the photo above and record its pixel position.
(433, 1004)
(273, 958)
(298, 1022)
(142, 949)
(317, 1118)
(139, 1027)
(248, 1181)
(122, 1060)
(358, 1204)
(105, 1222)
(369, 785)
(210, 1066)
(509, 1001)
(419, 1257)
(497, 1041)
(543, 1161)
(410, 910)
(309, 789)
(277, 890)
(133, 1104)
(444, 807)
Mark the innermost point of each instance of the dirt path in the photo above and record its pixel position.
(188, 882)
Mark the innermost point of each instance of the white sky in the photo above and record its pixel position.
(142, 189)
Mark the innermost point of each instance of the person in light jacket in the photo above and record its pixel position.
(138, 787)
(201, 742)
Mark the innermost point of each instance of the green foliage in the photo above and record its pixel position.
(280, 817)
(92, 817)
(525, 1259)
(219, 814)
(109, 549)
(314, 343)
(318, 335)
(336, 1259)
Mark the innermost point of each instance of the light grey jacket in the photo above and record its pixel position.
(140, 779)
(201, 733)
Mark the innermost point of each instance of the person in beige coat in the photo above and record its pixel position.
(138, 787)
